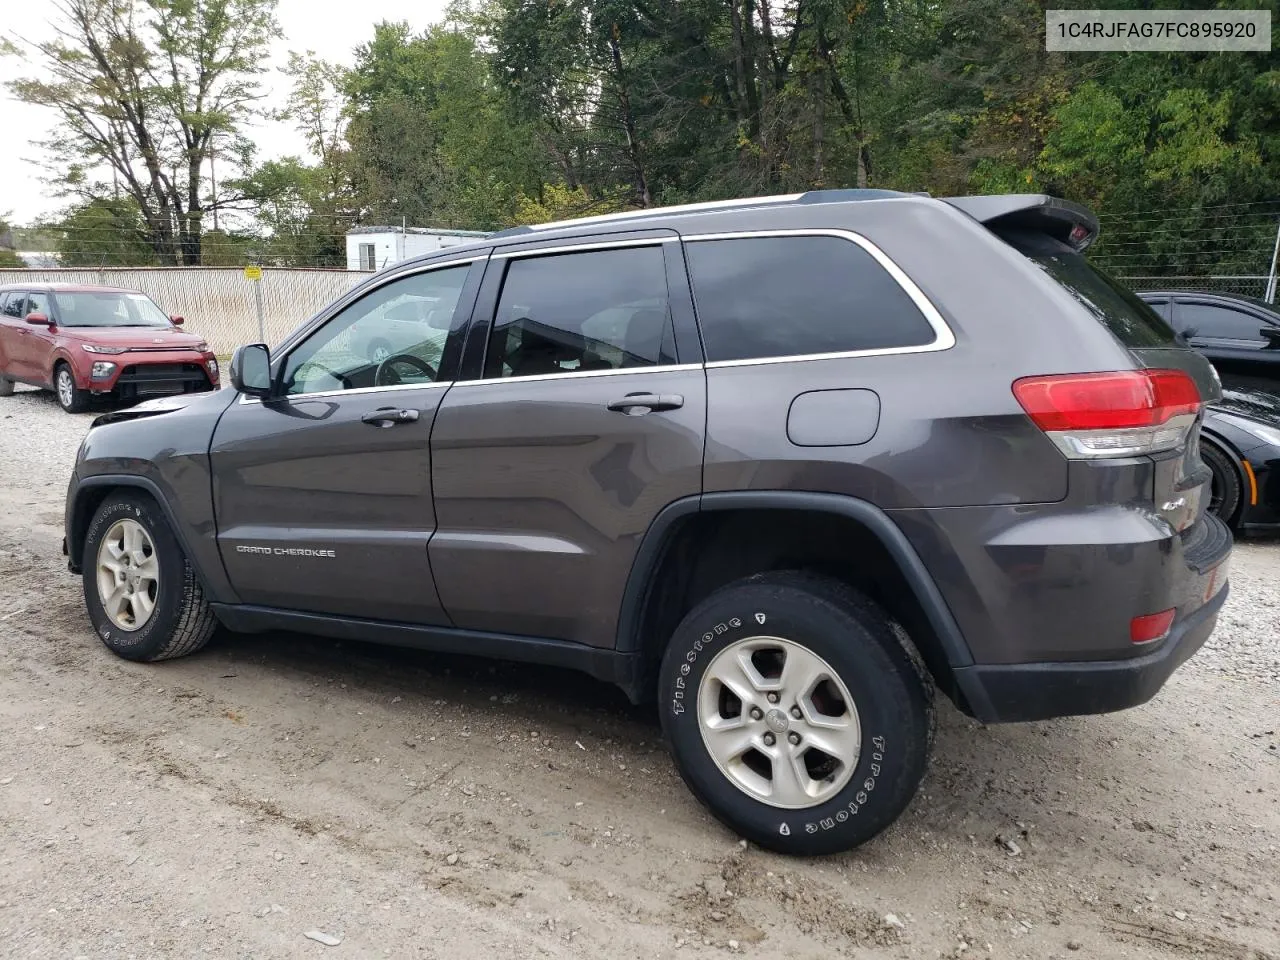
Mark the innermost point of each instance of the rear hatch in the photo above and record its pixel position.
(1053, 234)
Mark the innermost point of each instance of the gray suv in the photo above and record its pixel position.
(784, 465)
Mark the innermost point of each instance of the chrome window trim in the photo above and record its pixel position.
(348, 393)
(944, 338)
(579, 374)
(570, 247)
(316, 323)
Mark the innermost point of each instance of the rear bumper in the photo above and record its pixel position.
(1003, 693)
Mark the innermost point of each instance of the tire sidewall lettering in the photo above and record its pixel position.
(836, 813)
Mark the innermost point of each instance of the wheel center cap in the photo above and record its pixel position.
(777, 721)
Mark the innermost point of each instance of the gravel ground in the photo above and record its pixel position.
(274, 794)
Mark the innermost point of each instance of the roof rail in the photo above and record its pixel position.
(713, 206)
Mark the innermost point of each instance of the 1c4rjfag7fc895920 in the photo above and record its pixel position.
(784, 466)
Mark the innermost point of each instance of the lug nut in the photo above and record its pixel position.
(755, 713)
(795, 712)
(794, 738)
(769, 740)
(773, 697)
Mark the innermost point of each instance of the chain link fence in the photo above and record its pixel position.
(217, 302)
(1242, 286)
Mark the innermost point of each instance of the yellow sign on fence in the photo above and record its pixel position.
(253, 272)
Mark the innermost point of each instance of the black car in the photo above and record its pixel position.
(1240, 441)
(1236, 333)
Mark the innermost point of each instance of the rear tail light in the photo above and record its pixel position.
(1120, 414)
(1152, 627)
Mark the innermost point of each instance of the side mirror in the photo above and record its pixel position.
(39, 320)
(250, 371)
(1272, 336)
(176, 321)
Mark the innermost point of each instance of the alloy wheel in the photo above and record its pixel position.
(128, 575)
(66, 387)
(779, 722)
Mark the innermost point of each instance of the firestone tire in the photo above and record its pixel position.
(833, 632)
(175, 619)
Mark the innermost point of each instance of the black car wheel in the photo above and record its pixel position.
(1225, 492)
(142, 595)
(795, 713)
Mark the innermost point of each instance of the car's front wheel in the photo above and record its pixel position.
(795, 713)
(142, 595)
(70, 397)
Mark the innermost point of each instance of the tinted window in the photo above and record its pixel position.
(14, 303)
(401, 327)
(597, 310)
(1205, 320)
(1161, 307)
(1129, 318)
(790, 296)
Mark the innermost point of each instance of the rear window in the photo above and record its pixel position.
(765, 297)
(1122, 311)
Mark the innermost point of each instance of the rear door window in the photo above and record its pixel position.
(765, 297)
(14, 303)
(581, 312)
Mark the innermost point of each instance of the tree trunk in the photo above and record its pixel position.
(640, 181)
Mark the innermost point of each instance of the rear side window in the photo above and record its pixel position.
(760, 297)
(1133, 322)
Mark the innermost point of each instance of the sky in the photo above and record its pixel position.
(332, 29)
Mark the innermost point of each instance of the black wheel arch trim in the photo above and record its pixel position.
(78, 522)
(661, 532)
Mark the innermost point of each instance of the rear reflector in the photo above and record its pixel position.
(1152, 627)
(1117, 414)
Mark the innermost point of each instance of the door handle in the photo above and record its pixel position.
(389, 416)
(638, 404)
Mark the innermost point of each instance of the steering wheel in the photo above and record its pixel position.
(386, 376)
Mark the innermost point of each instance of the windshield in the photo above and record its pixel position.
(108, 309)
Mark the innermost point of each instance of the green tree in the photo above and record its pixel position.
(104, 233)
(145, 91)
(432, 139)
(8, 256)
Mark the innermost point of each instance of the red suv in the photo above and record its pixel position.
(84, 342)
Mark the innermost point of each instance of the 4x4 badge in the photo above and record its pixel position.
(760, 619)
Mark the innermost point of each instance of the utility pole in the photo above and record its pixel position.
(1270, 295)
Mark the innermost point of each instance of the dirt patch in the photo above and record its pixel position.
(418, 805)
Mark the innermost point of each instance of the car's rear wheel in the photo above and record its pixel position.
(141, 592)
(795, 712)
(1227, 488)
(70, 397)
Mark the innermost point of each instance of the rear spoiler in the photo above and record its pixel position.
(1063, 220)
